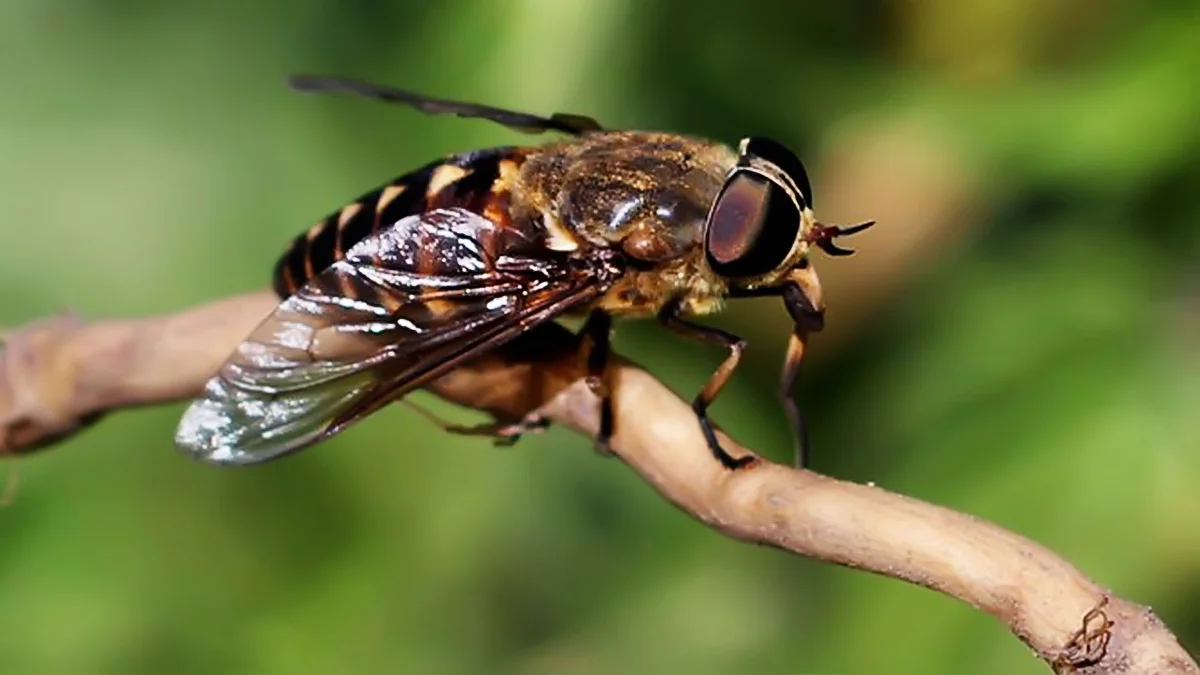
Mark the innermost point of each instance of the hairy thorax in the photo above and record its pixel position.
(646, 194)
(645, 292)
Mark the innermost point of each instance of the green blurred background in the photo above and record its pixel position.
(1016, 339)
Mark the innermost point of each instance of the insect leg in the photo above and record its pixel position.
(504, 434)
(787, 394)
(671, 318)
(598, 329)
(808, 319)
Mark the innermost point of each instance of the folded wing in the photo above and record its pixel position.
(404, 307)
(576, 125)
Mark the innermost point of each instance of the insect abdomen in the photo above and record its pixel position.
(470, 180)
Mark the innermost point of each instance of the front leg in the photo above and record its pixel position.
(671, 317)
(809, 319)
(787, 395)
(598, 330)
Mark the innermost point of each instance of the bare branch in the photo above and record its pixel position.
(58, 374)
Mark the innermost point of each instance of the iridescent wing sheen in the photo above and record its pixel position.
(567, 123)
(402, 308)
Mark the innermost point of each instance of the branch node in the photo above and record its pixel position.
(1088, 645)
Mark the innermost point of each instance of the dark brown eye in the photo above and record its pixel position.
(752, 227)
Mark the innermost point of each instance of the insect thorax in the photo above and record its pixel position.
(647, 192)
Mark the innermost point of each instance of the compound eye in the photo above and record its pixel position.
(752, 227)
(787, 162)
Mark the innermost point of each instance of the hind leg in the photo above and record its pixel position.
(504, 434)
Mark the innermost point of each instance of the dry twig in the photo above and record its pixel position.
(58, 374)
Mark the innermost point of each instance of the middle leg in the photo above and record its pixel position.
(598, 330)
(671, 318)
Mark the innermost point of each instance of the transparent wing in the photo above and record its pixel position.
(404, 307)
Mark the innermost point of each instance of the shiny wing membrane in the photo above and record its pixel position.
(405, 306)
(564, 122)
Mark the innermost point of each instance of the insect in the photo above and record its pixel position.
(466, 253)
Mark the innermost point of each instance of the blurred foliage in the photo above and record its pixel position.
(1033, 361)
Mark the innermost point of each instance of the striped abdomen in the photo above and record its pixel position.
(477, 181)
